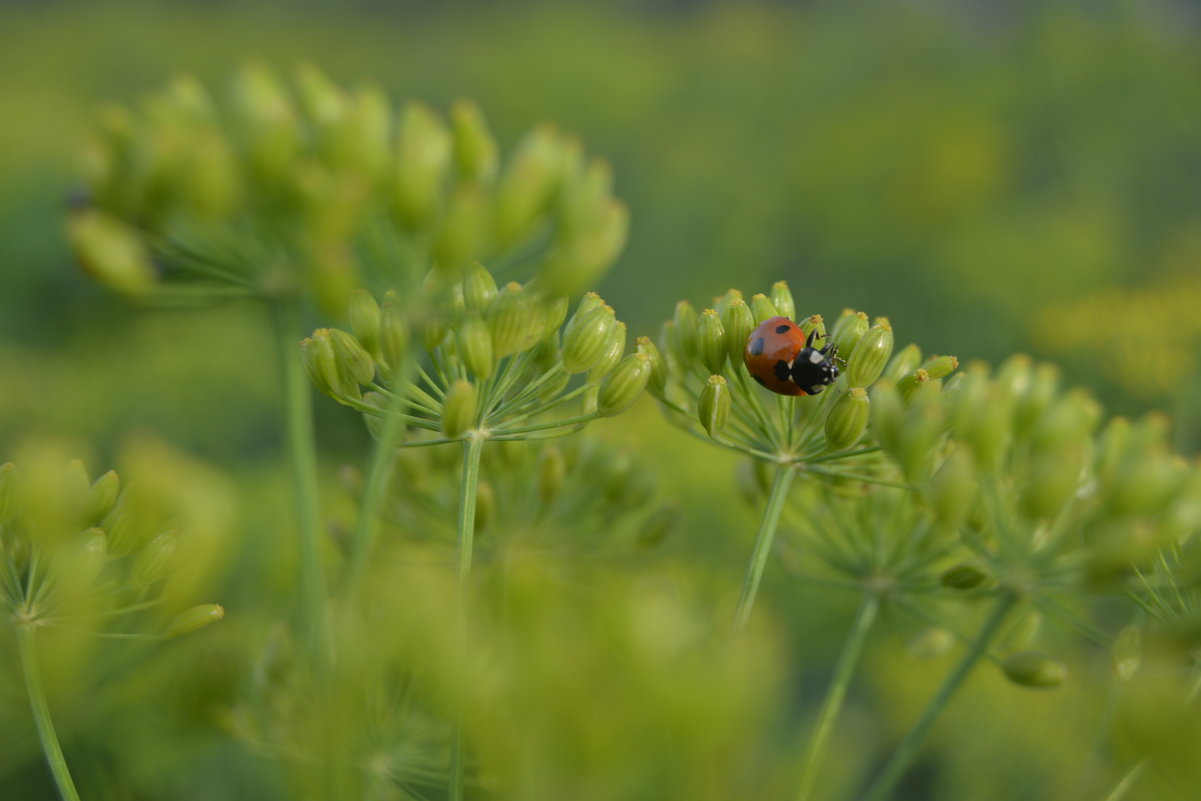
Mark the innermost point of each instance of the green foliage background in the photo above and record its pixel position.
(966, 169)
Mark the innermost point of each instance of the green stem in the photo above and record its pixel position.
(379, 473)
(767, 533)
(41, 714)
(835, 695)
(302, 454)
(912, 744)
(467, 494)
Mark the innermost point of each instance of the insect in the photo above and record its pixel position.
(781, 358)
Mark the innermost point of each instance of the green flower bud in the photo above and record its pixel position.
(352, 359)
(155, 559)
(722, 303)
(552, 472)
(851, 325)
(266, 122)
(556, 313)
(101, 497)
(911, 383)
(867, 360)
(463, 228)
(393, 335)
(517, 320)
(587, 340)
(364, 316)
(458, 410)
(940, 366)
(814, 322)
(474, 148)
(965, 576)
(9, 492)
(475, 347)
(1041, 390)
(953, 489)
(623, 386)
(658, 380)
(479, 288)
(93, 552)
(762, 308)
(111, 252)
(888, 417)
(1051, 480)
(711, 341)
(781, 298)
(738, 322)
(197, 617)
(671, 347)
(713, 406)
(983, 415)
(1127, 653)
(615, 346)
(1034, 669)
(485, 505)
(655, 528)
(322, 365)
(686, 322)
(903, 362)
(423, 152)
(529, 180)
(848, 419)
(587, 304)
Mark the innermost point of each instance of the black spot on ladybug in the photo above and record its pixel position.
(757, 347)
(782, 370)
(762, 383)
(782, 329)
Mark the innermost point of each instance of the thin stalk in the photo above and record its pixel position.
(837, 692)
(1123, 787)
(912, 743)
(379, 472)
(41, 714)
(467, 494)
(302, 454)
(763, 542)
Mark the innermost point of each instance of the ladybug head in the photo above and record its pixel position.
(812, 369)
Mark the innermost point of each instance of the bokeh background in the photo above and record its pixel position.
(994, 177)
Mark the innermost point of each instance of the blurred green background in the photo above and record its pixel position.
(991, 176)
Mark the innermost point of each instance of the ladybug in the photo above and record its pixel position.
(781, 358)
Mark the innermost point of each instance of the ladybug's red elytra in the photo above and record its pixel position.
(781, 358)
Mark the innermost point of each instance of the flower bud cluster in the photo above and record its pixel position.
(492, 358)
(79, 552)
(326, 186)
(533, 494)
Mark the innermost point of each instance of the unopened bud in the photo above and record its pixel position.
(615, 346)
(711, 342)
(931, 643)
(587, 339)
(953, 489)
(738, 322)
(155, 559)
(527, 183)
(814, 322)
(322, 366)
(475, 347)
(556, 313)
(458, 409)
(423, 155)
(517, 320)
(1034, 669)
(903, 362)
(194, 618)
(111, 252)
(850, 326)
(722, 303)
(589, 302)
(848, 419)
(393, 334)
(911, 383)
(101, 497)
(623, 386)
(940, 366)
(364, 313)
(479, 288)
(781, 298)
(686, 321)
(762, 308)
(93, 551)
(474, 148)
(658, 380)
(352, 359)
(713, 406)
(867, 360)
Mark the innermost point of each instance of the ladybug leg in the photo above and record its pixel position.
(812, 336)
